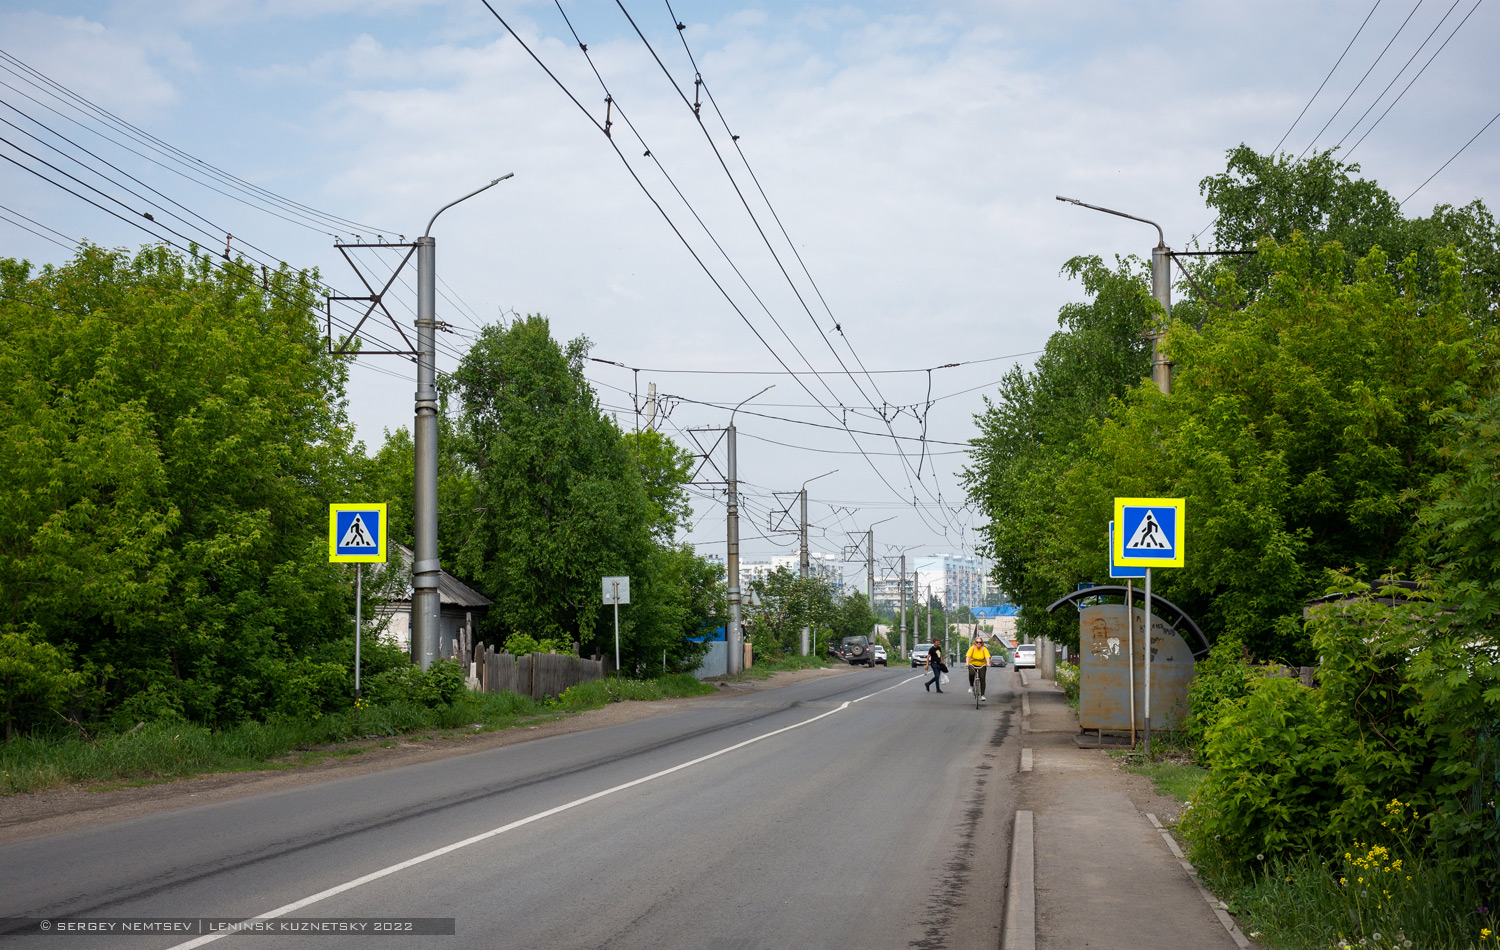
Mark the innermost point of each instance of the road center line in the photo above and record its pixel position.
(909, 679)
(494, 832)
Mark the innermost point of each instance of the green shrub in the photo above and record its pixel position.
(1274, 780)
(522, 644)
(1221, 681)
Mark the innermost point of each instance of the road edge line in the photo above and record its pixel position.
(1214, 904)
(1020, 900)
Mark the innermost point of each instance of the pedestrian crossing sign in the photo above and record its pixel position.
(356, 533)
(1119, 571)
(1149, 532)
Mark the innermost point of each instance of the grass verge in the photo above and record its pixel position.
(1365, 900)
(162, 751)
(765, 669)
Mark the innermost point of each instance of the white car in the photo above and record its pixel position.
(1026, 655)
(880, 654)
(919, 654)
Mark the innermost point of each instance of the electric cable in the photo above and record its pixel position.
(1362, 79)
(1409, 60)
(1414, 79)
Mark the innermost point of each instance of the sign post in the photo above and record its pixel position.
(1129, 576)
(356, 533)
(617, 592)
(1150, 534)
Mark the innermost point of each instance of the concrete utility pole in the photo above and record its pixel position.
(425, 569)
(901, 585)
(734, 639)
(870, 567)
(1161, 289)
(735, 658)
(802, 555)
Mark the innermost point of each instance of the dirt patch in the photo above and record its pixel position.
(58, 810)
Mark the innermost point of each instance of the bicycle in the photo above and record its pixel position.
(977, 679)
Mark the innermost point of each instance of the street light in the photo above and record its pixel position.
(425, 569)
(734, 647)
(1161, 289)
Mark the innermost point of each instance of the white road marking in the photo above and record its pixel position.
(494, 832)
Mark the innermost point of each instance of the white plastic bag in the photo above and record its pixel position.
(944, 680)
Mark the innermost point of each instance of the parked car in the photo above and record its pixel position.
(879, 652)
(919, 654)
(857, 651)
(1026, 655)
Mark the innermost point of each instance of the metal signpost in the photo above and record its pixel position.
(617, 592)
(1150, 534)
(356, 534)
(1128, 575)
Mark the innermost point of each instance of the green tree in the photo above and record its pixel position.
(174, 430)
(1301, 431)
(36, 680)
(1035, 427)
(558, 497)
(787, 603)
(1263, 196)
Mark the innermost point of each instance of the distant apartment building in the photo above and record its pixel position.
(826, 566)
(956, 580)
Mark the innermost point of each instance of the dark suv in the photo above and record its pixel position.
(857, 650)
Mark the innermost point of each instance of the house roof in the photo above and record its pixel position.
(451, 590)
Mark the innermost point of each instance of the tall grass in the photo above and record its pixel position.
(1360, 901)
(167, 750)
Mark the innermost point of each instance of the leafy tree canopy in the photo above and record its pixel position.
(173, 431)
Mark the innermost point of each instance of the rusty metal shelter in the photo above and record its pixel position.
(1112, 659)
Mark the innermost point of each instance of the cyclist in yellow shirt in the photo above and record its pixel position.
(978, 661)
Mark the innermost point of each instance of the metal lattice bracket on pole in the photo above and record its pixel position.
(705, 455)
(783, 520)
(375, 298)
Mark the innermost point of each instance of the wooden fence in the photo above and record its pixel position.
(539, 675)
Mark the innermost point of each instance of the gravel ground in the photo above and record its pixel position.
(70, 808)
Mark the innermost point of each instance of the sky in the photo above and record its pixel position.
(866, 190)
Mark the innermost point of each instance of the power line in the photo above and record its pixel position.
(84, 106)
(677, 231)
(1362, 79)
(1361, 29)
(697, 115)
(1450, 161)
(1414, 79)
(1409, 60)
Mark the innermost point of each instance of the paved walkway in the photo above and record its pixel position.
(1104, 875)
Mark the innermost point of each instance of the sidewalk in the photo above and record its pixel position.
(1102, 873)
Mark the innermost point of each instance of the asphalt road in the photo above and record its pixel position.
(852, 811)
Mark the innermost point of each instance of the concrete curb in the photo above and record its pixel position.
(1020, 903)
(1026, 760)
(1213, 903)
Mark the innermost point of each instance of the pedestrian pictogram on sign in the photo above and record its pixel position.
(356, 533)
(1149, 536)
(1149, 532)
(358, 536)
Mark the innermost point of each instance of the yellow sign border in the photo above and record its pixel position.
(1180, 542)
(380, 555)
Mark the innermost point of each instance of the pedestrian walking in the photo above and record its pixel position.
(937, 666)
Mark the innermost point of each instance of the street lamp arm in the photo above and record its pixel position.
(1161, 238)
(466, 197)
(747, 399)
(816, 477)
